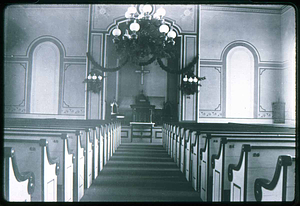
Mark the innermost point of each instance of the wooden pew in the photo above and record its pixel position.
(228, 153)
(195, 160)
(206, 152)
(87, 135)
(177, 134)
(119, 128)
(58, 147)
(18, 186)
(255, 162)
(108, 141)
(35, 157)
(105, 145)
(172, 134)
(182, 149)
(209, 147)
(169, 135)
(165, 135)
(101, 146)
(87, 126)
(113, 138)
(75, 139)
(163, 130)
(95, 149)
(91, 160)
(187, 152)
(281, 187)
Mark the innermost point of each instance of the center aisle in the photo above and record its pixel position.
(140, 173)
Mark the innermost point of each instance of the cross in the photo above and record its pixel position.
(142, 71)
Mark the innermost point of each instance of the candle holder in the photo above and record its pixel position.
(94, 81)
(190, 83)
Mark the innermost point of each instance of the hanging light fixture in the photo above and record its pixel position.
(132, 14)
(144, 37)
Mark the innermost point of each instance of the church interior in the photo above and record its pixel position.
(147, 103)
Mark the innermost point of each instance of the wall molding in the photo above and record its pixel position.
(14, 109)
(247, 8)
(217, 107)
(79, 111)
(260, 68)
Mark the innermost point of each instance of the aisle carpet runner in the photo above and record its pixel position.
(140, 173)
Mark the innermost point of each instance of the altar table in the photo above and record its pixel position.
(141, 130)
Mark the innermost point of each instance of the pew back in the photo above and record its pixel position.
(254, 162)
(35, 156)
(17, 186)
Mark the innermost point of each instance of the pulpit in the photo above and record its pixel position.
(142, 111)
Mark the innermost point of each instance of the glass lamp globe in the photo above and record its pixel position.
(127, 15)
(134, 26)
(185, 79)
(156, 16)
(190, 79)
(195, 79)
(147, 8)
(171, 34)
(164, 28)
(131, 10)
(116, 32)
(161, 11)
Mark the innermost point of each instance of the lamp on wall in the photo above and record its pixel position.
(94, 81)
(190, 83)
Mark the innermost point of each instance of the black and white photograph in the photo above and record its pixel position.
(138, 103)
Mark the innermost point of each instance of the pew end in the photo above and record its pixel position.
(255, 162)
(36, 157)
(18, 186)
(282, 186)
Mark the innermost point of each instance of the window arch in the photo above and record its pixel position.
(44, 76)
(241, 80)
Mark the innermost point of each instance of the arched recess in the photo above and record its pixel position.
(171, 86)
(44, 76)
(240, 63)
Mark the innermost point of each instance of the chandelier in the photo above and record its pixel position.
(144, 36)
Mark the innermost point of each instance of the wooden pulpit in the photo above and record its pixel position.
(142, 111)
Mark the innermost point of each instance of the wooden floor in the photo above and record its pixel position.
(140, 173)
